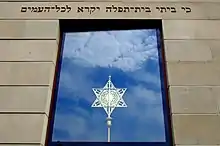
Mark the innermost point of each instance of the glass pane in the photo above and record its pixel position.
(131, 58)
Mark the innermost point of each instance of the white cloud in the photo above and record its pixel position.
(126, 50)
(146, 77)
(74, 82)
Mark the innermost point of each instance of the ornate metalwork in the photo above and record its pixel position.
(109, 98)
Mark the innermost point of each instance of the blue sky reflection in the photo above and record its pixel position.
(131, 58)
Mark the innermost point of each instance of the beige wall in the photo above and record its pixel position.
(28, 49)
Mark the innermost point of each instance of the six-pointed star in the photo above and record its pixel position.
(109, 97)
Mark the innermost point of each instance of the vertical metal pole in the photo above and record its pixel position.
(109, 123)
(109, 134)
(109, 118)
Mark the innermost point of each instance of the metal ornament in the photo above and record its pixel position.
(109, 98)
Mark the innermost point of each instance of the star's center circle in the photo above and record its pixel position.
(109, 98)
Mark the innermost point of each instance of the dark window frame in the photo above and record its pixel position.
(83, 25)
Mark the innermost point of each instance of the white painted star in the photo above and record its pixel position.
(109, 97)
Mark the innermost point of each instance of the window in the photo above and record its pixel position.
(110, 68)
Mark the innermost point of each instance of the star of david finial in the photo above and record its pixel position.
(109, 97)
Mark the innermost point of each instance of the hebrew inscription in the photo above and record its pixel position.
(107, 9)
(88, 9)
(39, 9)
(172, 9)
(132, 9)
(127, 9)
(187, 9)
